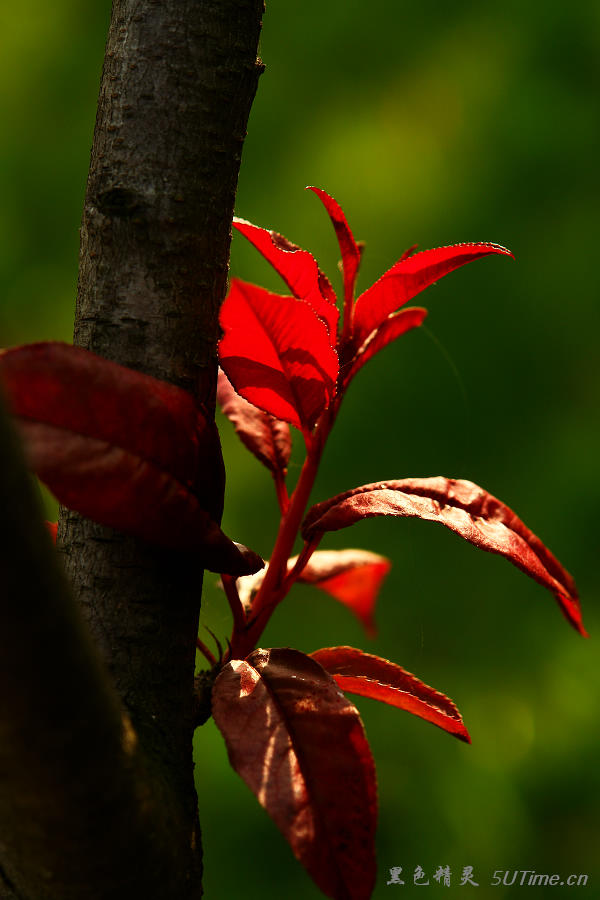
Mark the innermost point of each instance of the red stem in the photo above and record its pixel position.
(275, 584)
(300, 564)
(282, 494)
(233, 598)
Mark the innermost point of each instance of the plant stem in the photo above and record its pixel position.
(275, 584)
(282, 494)
(239, 616)
(303, 558)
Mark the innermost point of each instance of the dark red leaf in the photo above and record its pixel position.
(393, 327)
(300, 746)
(299, 270)
(52, 529)
(464, 508)
(276, 353)
(267, 438)
(370, 676)
(350, 250)
(353, 577)
(124, 449)
(407, 278)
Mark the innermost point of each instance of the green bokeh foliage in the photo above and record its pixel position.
(431, 123)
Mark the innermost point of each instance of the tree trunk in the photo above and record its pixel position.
(178, 82)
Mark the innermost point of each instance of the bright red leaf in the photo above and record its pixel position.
(276, 353)
(350, 250)
(267, 438)
(407, 278)
(299, 270)
(464, 508)
(300, 746)
(370, 676)
(393, 327)
(124, 449)
(52, 529)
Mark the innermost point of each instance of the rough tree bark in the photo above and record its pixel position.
(178, 81)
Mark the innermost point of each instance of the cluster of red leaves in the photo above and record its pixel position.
(290, 732)
(141, 456)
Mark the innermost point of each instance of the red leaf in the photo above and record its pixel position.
(464, 508)
(267, 438)
(300, 746)
(407, 278)
(393, 327)
(299, 270)
(124, 449)
(350, 250)
(52, 529)
(370, 676)
(351, 576)
(276, 353)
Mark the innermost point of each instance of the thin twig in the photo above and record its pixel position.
(206, 652)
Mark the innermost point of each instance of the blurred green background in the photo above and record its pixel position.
(431, 123)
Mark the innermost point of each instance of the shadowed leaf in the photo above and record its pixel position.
(123, 449)
(267, 438)
(299, 745)
(370, 676)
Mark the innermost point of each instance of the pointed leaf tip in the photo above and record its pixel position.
(353, 577)
(349, 248)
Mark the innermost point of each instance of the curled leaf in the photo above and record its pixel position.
(464, 508)
(266, 437)
(370, 676)
(276, 353)
(300, 746)
(123, 449)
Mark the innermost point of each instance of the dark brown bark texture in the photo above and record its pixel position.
(177, 86)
